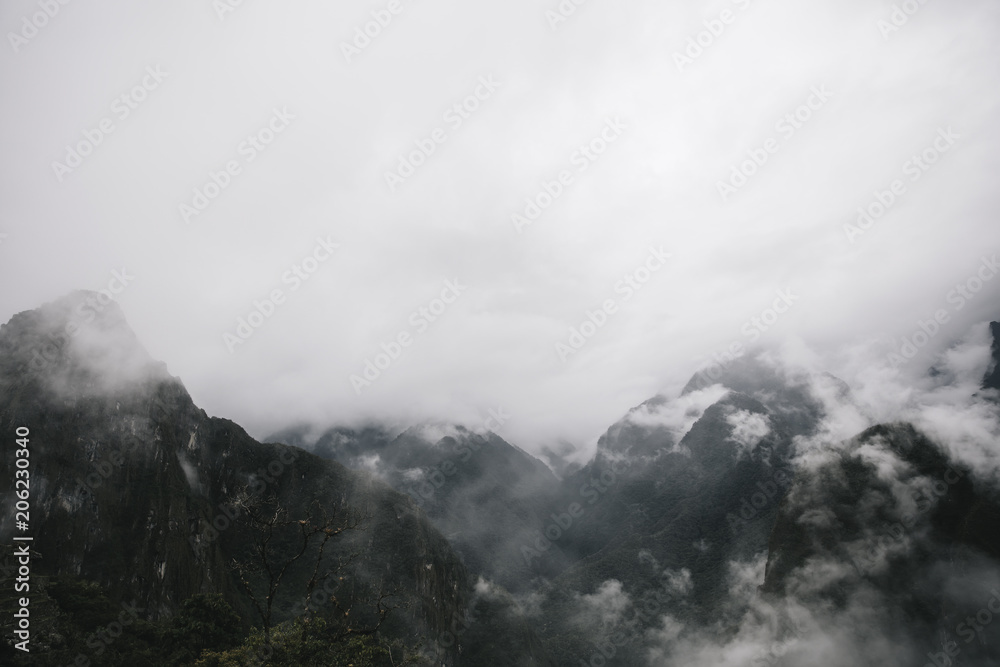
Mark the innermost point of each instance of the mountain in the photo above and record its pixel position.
(679, 489)
(706, 518)
(486, 495)
(891, 522)
(992, 379)
(724, 525)
(136, 489)
(730, 528)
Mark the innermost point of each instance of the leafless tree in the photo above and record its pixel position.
(271, 526)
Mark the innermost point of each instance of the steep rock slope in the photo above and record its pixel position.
(678, 489)
(133, 487)
(891, 523)
(484, 494)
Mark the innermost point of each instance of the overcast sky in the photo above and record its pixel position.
(309, 118)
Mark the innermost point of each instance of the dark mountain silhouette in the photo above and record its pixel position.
(724, 525)
(133, 488)
(477, 489)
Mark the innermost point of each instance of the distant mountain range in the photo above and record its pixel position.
(722, 526)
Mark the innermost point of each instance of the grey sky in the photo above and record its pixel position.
(609, 68)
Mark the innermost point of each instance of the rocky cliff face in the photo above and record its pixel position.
(892, 523)
(485, 495)
(133, 485)
(704, 528)
(707, 510)
(678, 490)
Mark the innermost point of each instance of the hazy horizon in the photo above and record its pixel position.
(610, 115)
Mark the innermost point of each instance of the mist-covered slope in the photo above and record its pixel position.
(879, 549)
(992, 379)
(485, 495)
(766, 514)
(135, 488)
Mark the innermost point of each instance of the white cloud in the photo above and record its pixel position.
(324, 175)
(748, 428)
(679, 414)
(607, 605)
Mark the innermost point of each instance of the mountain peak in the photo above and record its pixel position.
(77, 344)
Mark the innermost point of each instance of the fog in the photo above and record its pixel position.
(600, 120)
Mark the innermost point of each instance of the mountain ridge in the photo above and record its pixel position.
(132, 477)
(721, 509)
